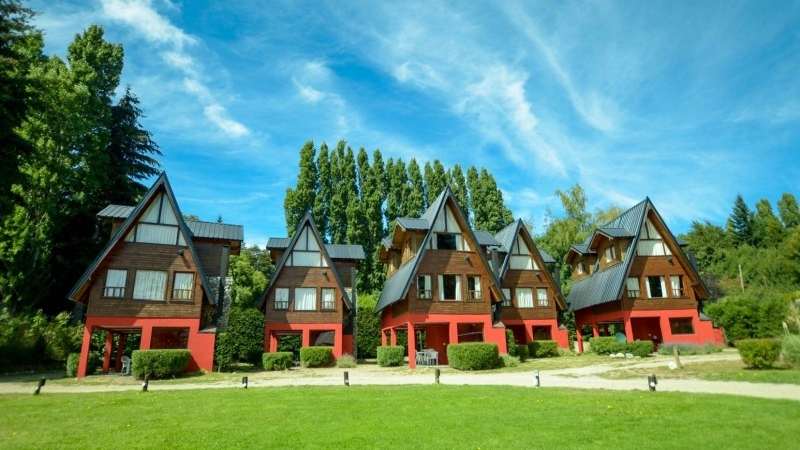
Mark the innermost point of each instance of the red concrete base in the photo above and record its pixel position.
(523, 330)
(341, 344)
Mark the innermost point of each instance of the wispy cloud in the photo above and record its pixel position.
(172, 45)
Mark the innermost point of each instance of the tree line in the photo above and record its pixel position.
(356, 200)
(69, 148)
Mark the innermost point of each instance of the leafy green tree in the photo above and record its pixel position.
(300, 200)
(768, 231)
(708, 242)
(740, 223)
(343, 168)
(248, 281)
(398, 190)
(458, 183)
(788, 210)
(415, 203)
(753, 314)
(369, 326)
(322, 202)
(435, 180)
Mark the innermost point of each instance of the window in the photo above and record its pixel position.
(681, 325)
(305, 299)
(541, 296)
(306, 251)
(157, 225)
(650, 242)
(449, 287)
(581, 268)
(611, 254)
(676, 282)
(282, 298)
(150, 285)
(521, 256)
(507, 301)
(169, 338)
(655, 287)
(524, 298)
(328, 296)
(633, 287)
(446, 241)
(424, 287)
(115, 283)
(183, 286)
(474, 288)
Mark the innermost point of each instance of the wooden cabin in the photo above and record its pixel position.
(440, 287)
(631, 276)
(312, 291)
(158, 277)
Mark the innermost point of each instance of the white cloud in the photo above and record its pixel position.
(218, 115)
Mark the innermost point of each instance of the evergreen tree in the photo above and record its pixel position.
(300, 200)
(788, 210)
(323, 199)
(740, 223)
(767, 229)
(415, 203)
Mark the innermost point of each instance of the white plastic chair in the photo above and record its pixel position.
(433, 357)
(422, 358)
(126, 365)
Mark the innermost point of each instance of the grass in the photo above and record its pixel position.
(715, 371)
(435, 416)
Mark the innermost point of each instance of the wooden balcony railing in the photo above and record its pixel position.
(282, 305)
(633, 293)
(474, 296)
(181, 294)
(114, 292)
(424, 294)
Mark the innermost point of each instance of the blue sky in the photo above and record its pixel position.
(686, 102)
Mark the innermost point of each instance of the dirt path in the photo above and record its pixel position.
(578, 378)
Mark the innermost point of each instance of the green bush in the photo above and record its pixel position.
(508, 361)
(316, 356)
(609, 345)
(754, 314)
(159, 363)
(639, 348)
(543, 349)
(277, 361)
(34, 341)
(473, 356)
(224, 350)
(346, 362)
(390, 355)
(72, 364)
(73, 359)
(246, 334)
(511, 343)
(759, 353)
(790, 349)
(689, 349)
(369, 326)
(522, 352)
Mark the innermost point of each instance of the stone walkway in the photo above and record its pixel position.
(577, 378)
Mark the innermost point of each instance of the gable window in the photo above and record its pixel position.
(150, 285)
(611, 253)
(424, 287)
(474, 288)
(655, 287)
(328, 295)
(282, 298)
(681, 325)
(676, 282)
(305, 299)
(524, 298)
(650, 242)
(306, 251)
(507, 301)
(183, 286)
(581, 268)
(157, 225)
(115, 283)
(632, 285)
(450, 287)
(541, 296)
(521, 256)
(446, 241)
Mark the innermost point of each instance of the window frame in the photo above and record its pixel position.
(424, 291)
(298, 298)
(509, 301)
(474, 294)
(539, 303)
(119, 290)
(281, 305)
(175, 290)
(661, 287)
(331, 304)
(677, 326)
(517, 293)
(137, 282)
(457, 287)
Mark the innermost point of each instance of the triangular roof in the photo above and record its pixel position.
(608, 284)
(133, 214)
(341, 252)
(397, 285)
(507, 236)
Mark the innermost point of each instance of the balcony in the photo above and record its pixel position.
(633, 293)
(474, 296)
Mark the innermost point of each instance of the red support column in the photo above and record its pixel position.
(338, 341)
(383, 337)
(120, 352)
(595, 329)
(628, 329)
(453, 333)
(579, 338)
(392, 336)
(306, 338)
(107, 354)
(147, 337)
(412, 346)
(83, 363)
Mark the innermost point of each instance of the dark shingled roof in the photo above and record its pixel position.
(485, 238)
(614, 232)
(115, 212)
(278, 243)
(214, 230)
(412, 224)
(335, 251)
(546, 257)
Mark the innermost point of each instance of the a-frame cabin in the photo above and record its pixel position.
(440, 288)
(311, 292)
(632, 274)
(157, 277)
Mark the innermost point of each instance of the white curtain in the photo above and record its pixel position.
(115, 283)
(150, 285)
(519, 262)
(305, 299)
(524, 298)
(541, 294)
(282, 298)
(677, 285)
(507, 294)
(306, 259)
(183, 286)
(156, 234)
(327, 298)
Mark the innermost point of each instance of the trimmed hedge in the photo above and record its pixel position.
(759, 353)
(688, 349)
(609, 345)
(73, 359)
(543, 349)
(390, 355)
(159, 363)
(511, 343)
(316, 356)
(277, 360)
(473, 356)
(522, 352)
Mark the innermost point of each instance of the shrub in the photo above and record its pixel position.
(543, 349)
(511, 343)
(639, 348)
(473, 356)
(159, 363)
(390, 355)
(759, 353)
(754, 314)
(72, 364)
(522, 352)
(369, 326)
(277, 360)
(225, 350)
(346, 362)
(246, 334)
(790, 349)
(605, 345)
(508, 361)
(316, 356)
(688, 349)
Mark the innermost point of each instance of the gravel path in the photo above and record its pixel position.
(579, 378)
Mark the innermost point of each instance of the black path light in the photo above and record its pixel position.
(436, 374)
(652, 381)
(146, 382)
(42, 381)
(244, 382)
(346, 378)
(536, 379)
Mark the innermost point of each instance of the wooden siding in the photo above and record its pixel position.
(210, 254)
(131, 256)
(451, 262)
(644, 266)
(620, 247)
(292, 277)
(345, 271)
(588, 262)
(528, 279)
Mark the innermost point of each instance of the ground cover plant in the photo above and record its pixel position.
(433, 416)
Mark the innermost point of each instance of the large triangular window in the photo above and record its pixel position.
(650, 242)
(521, 256)
(158, 224)
(306, 251)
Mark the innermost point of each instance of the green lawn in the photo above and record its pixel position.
(435, 416)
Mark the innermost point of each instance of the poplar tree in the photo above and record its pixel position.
(788, 210)
(344, 188)
(322, 201)
(398, 191)
(435, 180)
(459, 186)
(300, 200)
(415, 203)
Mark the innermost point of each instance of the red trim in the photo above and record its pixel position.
(341, 344)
